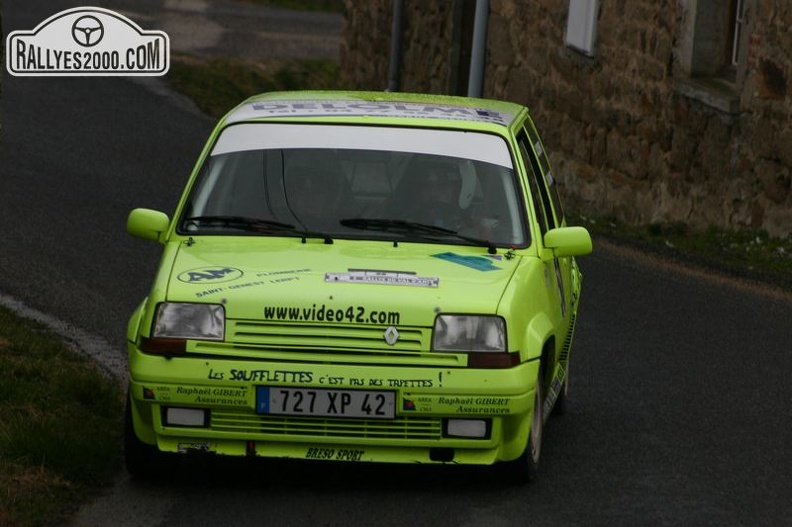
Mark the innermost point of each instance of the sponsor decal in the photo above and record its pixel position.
(333, 454)
(215, 275)
(86, 41)
(281, 376)
(324, 313)
(287, 275)
(555, 390)
(479, 263)
(233, 396)
(362, 276)
(377, 108)
(538, 149)
(215, 396)
(475, 405)
(183, 448)
(301, 378)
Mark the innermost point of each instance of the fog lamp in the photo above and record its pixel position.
(195, 417)
(473, 428)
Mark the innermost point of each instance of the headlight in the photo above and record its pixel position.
(189, 321)
(469, 333)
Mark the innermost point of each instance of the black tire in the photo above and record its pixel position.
(525, 468)
(560, 406)
(142, 460)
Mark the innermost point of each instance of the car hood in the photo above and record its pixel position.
(285, 279)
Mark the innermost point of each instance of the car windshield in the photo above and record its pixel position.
(344, 182)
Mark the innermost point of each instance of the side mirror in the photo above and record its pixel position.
(147, 224)
(568, 241)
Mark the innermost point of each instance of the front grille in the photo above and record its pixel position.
(412, 428)
(335, 337)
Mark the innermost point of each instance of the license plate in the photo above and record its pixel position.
(317, 402)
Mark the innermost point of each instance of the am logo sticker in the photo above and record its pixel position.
(215, 275)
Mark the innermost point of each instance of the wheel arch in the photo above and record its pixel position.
(538, 333)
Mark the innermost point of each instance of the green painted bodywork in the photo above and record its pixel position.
(288, 325)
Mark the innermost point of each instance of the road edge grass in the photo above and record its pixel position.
(60, 425)
(744, 254)
(217, 84)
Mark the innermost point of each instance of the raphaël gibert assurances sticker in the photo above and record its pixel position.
(87, 41)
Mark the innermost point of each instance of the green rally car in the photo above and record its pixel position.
(358, 276)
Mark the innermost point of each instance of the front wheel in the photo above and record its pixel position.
(524, 469)
(560, 406)
(142, 460)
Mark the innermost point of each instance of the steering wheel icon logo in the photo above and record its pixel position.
(87, 31)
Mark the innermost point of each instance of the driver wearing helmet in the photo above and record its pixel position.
(313, 196)
(437, 201)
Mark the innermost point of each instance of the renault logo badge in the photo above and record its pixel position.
(391, 335)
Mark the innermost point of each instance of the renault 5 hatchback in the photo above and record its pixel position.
(358, 277)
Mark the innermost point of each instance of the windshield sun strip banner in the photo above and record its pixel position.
(483, 147)
(359, 108)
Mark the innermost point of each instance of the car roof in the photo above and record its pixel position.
(378, 107)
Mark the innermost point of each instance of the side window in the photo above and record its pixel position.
(544, 162)
(537, 199)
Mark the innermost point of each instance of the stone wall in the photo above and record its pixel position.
(632, 134)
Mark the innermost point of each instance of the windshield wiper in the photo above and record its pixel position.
(240, 221)
(423, 230)
(258, 224)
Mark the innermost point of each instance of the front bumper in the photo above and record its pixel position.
(426, 398)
